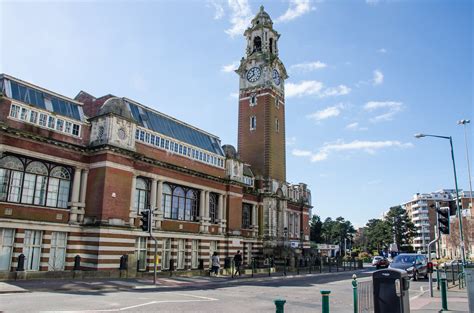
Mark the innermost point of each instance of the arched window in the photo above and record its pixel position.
(34, 183)
(180, 203)
(23, 180)
(142, 194)
(257, 44)
(177, 209)
(167, 200)
(58, 187)
(191, 205)
(246, 215)
(11, 175)
(213, 207)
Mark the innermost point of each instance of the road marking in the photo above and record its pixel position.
(198, 299)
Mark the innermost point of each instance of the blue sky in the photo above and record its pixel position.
(364, 77)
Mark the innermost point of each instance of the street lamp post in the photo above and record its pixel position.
(464, 122)
(458, 209)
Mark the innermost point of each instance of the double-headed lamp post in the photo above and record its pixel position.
(458, 208)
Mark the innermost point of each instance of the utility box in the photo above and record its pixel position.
(391, 291)
(469, 271)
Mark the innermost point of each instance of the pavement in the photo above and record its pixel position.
(457, 301)
(209, 294)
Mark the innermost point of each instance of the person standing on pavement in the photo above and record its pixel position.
(237, 262)
(215, 264)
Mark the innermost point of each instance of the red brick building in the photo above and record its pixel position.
(75, 174)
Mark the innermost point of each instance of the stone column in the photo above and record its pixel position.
(74, 204)
(202, 210)
(159, 205)
(206, 214)
(220, 212)
(255, 219)
(153, 200)
(132, 214)
(82, 200)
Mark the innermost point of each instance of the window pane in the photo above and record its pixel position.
(40, 190)
(15, 186)
(4, 176)
(53, 190)
(28, 188)
(63, 196)
(6, 248)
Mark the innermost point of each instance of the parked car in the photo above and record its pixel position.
(376, 259)
(382, 263)
(416, 265)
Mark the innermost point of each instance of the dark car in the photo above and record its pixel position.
(416, 265)
(382, 263)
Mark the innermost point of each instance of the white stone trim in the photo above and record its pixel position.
(42, 156)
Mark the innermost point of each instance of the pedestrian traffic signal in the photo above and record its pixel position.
(443, 220)
(145, 220)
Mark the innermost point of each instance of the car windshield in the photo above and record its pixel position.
(404, 259)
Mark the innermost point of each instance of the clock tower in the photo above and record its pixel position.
(261, 134)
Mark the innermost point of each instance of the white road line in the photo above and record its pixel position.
(198, 299)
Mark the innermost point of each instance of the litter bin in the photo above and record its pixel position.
(469, 272)
(391, 291)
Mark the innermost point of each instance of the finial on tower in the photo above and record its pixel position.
(261, 8)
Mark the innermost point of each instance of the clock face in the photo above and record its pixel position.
(122, 133)
(276, 76)
(253, 74)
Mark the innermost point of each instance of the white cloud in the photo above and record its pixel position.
(328, 112)
(391, 108)
(304, 88)
(240, 18)
(357, 145)
(300, 153)
(230, 67)
(295, 10)
(309, 66)
(219, 9)
(378, 78)
(355, 126)
(382, 50)
(336, 91)
(314, 88)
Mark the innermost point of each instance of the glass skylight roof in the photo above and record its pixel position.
(169, 127)
(40, 99)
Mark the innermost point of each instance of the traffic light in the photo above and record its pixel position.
(429, 267)
(452, 208)
(145, 220)
(443, 220)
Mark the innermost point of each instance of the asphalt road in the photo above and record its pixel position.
(302, 294)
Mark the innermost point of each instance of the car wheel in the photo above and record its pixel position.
(377, 267)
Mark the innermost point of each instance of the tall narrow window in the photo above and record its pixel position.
(57, 254)
(32, 249)
(141, 253)
(290, 224)
(253, 122)
(277, 125)
(253, 99)
(142, 194)
(257, 44)
(271, 45)
(177, 206)
(167, 200)
(7, 236)
(213, 208)
(246, 215)
(195, 254)
(58, 187)
(181, 250)
(166, 254)
(277, 102)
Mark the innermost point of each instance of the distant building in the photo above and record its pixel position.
(423, 215)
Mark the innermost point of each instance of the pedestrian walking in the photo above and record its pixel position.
(237, 262)
(215, 264)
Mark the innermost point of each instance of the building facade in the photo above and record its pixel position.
(75, 174)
